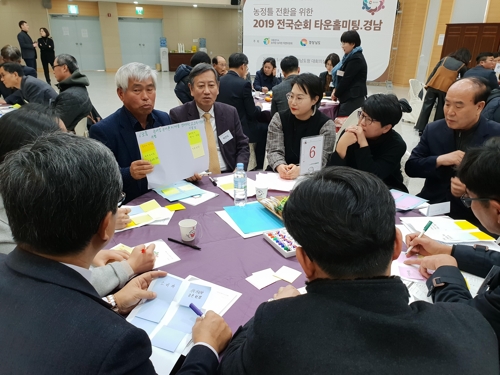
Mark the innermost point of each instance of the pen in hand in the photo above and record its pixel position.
(427, 226)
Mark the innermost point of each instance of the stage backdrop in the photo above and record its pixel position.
(311, 29)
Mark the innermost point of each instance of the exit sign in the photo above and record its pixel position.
(139, 11)
(73, 9)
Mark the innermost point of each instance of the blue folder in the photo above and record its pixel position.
(253, 217)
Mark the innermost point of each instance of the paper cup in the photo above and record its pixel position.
(188, 229)
(261, 192)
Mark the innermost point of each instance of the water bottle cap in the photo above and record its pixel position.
(239, 166)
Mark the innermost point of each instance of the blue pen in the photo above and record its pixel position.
(195, 309)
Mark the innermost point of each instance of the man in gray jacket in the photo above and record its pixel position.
(290, 68)
(73, 102)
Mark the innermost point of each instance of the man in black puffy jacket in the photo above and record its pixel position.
(181, 76)
(73, 102)
(492, 109)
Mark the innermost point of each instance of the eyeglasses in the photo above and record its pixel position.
(367, 120)
(291, 97)
(55, 66)
(467, 201)
(122, 199)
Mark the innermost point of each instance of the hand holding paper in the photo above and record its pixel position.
(122, 217)
(140, 169)
(432, 263)
(137, 288)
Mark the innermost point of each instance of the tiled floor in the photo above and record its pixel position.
(103, 95)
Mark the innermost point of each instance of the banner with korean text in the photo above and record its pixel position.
(311, 30)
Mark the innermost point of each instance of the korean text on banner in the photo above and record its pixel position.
(311, 30)
(177, 151)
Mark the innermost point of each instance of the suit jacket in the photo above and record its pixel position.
(438, 139)
(261, 80)
(488, 74)
(69, 319)
(15, 96)
(117, 132)
(35, 90)
(233, 151)
(279, 102)
(237, 92)
(352, 84)
(361, 327)
(322, 76)
(26, 45)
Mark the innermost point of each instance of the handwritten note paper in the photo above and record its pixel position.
(195, 142)
(150, 205)
(149, 153)
(196, 294)
(168, 339)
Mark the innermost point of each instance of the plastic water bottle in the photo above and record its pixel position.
(240, 186)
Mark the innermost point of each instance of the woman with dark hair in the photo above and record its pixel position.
(48, 55)
(446, 71)
(349, 75)
(265, 78)
(373, 145)
(23, 126)
(326, 77)
(302, 119)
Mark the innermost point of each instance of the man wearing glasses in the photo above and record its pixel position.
(445, 142)
(480, 172)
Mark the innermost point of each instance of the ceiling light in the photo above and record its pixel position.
(194, 5)
(136, 2)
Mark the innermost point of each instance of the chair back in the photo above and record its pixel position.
(81, 128)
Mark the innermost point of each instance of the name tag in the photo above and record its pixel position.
(225, 137)
(340, 73)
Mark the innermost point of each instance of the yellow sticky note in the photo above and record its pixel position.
(175, 207)
(194, 138)
(482, 236)
(140, 219)
(149, 205)
(187, 187)
(228, 186)
(170, 191)
(121, 246)
(131, 224)
(149, 153)
(464, 225)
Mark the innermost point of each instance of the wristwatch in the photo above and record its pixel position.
(111, 300)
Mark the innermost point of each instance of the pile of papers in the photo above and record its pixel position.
(266, 277)
(148, 213)
(447, 230)
(405, 201)
(163, 252)
(168, 319)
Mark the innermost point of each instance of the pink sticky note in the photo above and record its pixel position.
(409, 272)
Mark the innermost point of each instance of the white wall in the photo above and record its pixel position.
(469, 11)
(428, 40)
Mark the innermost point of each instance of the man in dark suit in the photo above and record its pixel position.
(32, 89)
(445, 142)
(290, 68)
(10, 53)
(117, 131)
(481, 176)
(236, 91)
(50, 310)
(355, 317)
(484, 68)
(27, 45)
(232, 144)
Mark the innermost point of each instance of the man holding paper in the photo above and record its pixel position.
(136, 88)
(227, 144)
(481, 175)
(355, 317)
(48, 303)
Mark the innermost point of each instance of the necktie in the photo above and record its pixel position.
(213, 157)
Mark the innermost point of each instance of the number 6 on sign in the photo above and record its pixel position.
(311, 154)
